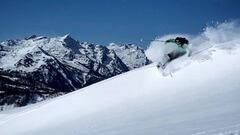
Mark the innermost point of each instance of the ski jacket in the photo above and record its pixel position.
(182, 43)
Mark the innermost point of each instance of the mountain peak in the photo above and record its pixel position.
(67, 39)
(67, 36)
(31, 37)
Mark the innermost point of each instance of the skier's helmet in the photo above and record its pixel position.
(181, 41)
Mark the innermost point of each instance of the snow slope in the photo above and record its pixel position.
(200, 99)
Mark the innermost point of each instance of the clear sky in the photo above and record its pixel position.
(106, 21)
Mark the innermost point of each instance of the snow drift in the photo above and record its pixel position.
(224, 36)
(200, 99)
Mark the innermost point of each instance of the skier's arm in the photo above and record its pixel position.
(170, 41)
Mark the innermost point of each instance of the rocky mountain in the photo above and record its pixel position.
(131, 55)
(37, 67)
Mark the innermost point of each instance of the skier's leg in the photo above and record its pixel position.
(167, 59)
(174, 55)
(164, 62)
(171, 56)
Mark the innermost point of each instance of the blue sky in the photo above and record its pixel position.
(106, 21)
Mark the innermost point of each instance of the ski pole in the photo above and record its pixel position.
(142, 40)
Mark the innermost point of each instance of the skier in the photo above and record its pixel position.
(182, 44)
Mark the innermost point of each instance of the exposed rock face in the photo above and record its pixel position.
(38, 68)
(131, 55)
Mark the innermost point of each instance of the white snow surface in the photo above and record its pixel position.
(200, 98)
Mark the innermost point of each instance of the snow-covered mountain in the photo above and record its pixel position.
(132, 55)
(39, 67)
(199, 99)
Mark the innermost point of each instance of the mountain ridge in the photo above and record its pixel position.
(58, 65)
